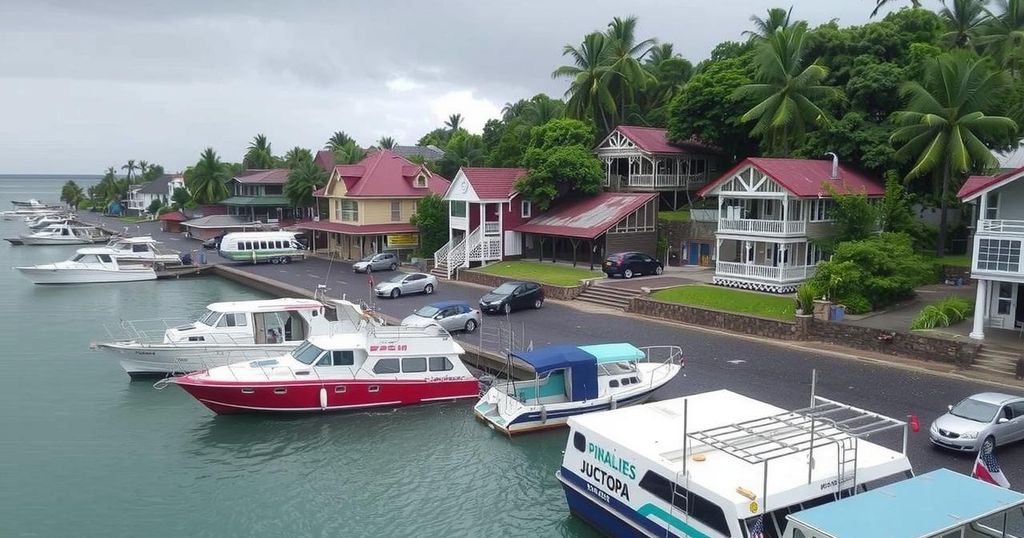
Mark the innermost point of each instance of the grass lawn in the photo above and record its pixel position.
(681, 215)
(133, 220)
(555, 274)
(730, 300)
(962, 260)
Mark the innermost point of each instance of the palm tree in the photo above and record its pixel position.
(879, 4)
(787, 89)
(208, 179)
(454, 122)
(589, 94)
(72, 194)
(302, 181)
(964, 19)
(349, 153)
(144, 167)
(259, 154)
(659, 53)
(542, 109)
(338, 140)
(777, 19)
(628, 76)
(131, 167)
(296, 156)
(386, 142)
(944, 126)
(513, 110)
(1003, 34)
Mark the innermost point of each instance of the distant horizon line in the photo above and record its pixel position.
(51, 176)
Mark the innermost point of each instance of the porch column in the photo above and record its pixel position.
(501, 230)
(979, 310)
(721, 201)
(590, 245)
(451, 236)
(748, 248)
(785, 211)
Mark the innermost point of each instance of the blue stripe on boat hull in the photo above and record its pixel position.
(535, 417)
(608, 518)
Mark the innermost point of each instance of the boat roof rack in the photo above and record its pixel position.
(825, 422)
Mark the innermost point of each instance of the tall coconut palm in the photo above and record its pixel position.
(542, 109)
(788, 90)
(72, 194)
(628, 75)
(338, 140)
(259, 154)
(1003, 34)
(879, 4)
(659, 53)
(296, 156)
(208, 179)
(386, 142)
(305, 178)
(964, 18)
(513, 110)
(349, 153)
(777, 19)
(944, 128)
(454, 122)
(131, 167)
(589, 94)
(144, 167)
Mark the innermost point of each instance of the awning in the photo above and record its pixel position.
(257, 201)
(583, 366)
(356, 229)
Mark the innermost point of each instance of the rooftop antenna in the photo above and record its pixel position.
(835, 165)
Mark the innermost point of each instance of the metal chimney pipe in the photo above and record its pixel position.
(835, 165)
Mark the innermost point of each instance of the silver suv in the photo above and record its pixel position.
(376, 262)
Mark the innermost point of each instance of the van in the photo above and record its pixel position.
(275, 247)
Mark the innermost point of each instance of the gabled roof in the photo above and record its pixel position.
(174, 216)
(805, 178)
(274, 176)
(324, 160)
(385, 174)
(158, 185)
(586, 218)
(975, 185)
(655, 140)
(493, 183)
(429, 153)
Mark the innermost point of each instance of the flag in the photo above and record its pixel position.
(369, 280)
(757, 531)
(987, 469)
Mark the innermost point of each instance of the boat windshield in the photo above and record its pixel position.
(974, 410)
(209, 318)
(306, 353)
(78, 257)
(427, 311)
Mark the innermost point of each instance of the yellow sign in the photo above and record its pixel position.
(753, 508)
(403, 240)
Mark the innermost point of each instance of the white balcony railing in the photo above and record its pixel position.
(763, 227)
(1008, 227)
(491, 228)
(666, 180)
(458, 223)
(771, 273)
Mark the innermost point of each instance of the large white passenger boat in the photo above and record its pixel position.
(142, 248)
(89, 265)
(226, 333)
(720, 464)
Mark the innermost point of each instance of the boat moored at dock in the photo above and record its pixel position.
(372, 367)
(142, 249)
(572, 380)
(64, 233)
(89, 265)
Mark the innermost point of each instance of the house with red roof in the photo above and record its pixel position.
(258, 196)
(370, 204)
(998, 209)
(770, 211)
(641, 159)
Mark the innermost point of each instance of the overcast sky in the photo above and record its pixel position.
(89, 86)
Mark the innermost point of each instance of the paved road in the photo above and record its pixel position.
(776, 374)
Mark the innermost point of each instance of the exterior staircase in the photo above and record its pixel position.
(997, 359)
(440, 269)
(609, 296)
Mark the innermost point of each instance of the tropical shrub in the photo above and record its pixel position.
(805, 295)
(944, 313)
(431, 219)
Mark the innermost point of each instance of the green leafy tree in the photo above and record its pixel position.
(438, 137)
(854, 217)
(628, 76)
(259, 155)
(777, 19)
(181, 199)
(131, 167)
(350, 153)
(207, 180)
(386, 142)
(705, 109)
(296, 156)
(589, 96)
(464, 149)
(944, 127)
(560, 161)
(431, 219)
(338, 140)
(1003, 34)
(72, 194)
(454, 122)
(505, 140)
(965, 19)
(669, 73)
(155, 206)
(305, 178)
(152, 171)
(879, 4)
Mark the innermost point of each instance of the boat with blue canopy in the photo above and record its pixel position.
(939, 504)
(572, 380)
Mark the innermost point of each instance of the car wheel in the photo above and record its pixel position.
(538, 303)
(507, 308)
(659, 270)
(428, 289)
(395, 293)
(471, 325)
(628, 273)
(989, 439)
(393, 266)
(286, 259)
(369, 268)
(275, 261)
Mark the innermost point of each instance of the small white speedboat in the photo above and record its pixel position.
(89, 265)
(42, 221)
(63, 234)
(142, 249)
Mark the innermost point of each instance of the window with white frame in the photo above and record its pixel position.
(814, 254)
(641, 220)
(821, 210)
(527, 209)
(999, 255)
(348, 210)
(421, 181)
(396, 211)
(458, 209)
(796, 210)
(992, 206)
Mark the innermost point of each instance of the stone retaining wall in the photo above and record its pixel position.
(769, 328)
(562, 293)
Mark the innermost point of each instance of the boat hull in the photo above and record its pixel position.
(611, 517)
(147, 360)
(44, 275)
(533, 418)
(316, 396)
(29, 240)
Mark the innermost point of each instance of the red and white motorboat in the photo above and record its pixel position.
(374, 367)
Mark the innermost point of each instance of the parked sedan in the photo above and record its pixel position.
(512, 296)
(213, 243)
(989, 416)
(452, 315)
(376, 262)
(406, 283)
(630, 264)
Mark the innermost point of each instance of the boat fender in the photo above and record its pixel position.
(323, 398)
(543, 415)
(614, 404)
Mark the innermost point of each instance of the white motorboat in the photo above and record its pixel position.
(31, 203)
(38, 222)
(63, 234)
(89, 265)
(142, 249)
(227, 333)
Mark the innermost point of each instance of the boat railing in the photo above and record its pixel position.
(142, 331)
(664, 356)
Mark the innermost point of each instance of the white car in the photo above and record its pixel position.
(405, 283)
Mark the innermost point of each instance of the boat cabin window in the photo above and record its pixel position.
(440, 364)
(414, 364)
(307, 353)
(697, 507)
(140, 248)
(65, 231)
(209, 318)
(232, 320)
(579, 441)
(278, 327)
(105, 258)
(343, 358)
(325, 360)
(613, 383)
(386, 366)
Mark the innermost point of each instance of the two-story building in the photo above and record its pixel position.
(770, 211)
(370, 204)
(258, 196)
(641, 159)
(998, 206)
(140, 197)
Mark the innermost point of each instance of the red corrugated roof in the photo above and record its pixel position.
(493, 183)
(805, 178)
(320, 192)
(586, 218)
(976, 184)
(355, 229)
(384, 174)
(655, 140)
(174, 216)
(274, 176)
(325, 160)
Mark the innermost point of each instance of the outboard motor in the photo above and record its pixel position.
(486, 382)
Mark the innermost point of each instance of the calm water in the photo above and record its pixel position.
(85, 452)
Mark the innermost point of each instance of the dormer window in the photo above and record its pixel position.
(421, 181)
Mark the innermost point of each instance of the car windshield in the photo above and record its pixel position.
(209, 318)
(306, 353)
(427, 311)
(505, 289)
(974, 410)
(368, 258)
(397, 278)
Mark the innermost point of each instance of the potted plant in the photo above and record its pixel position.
(805, 300)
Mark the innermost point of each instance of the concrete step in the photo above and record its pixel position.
(608, 296)
(994, 370)
(1001, 352)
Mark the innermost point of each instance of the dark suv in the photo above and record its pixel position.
(512, 296)
(630, 264)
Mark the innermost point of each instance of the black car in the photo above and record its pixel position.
(630, 264)
(512, 296)
(213, 243)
